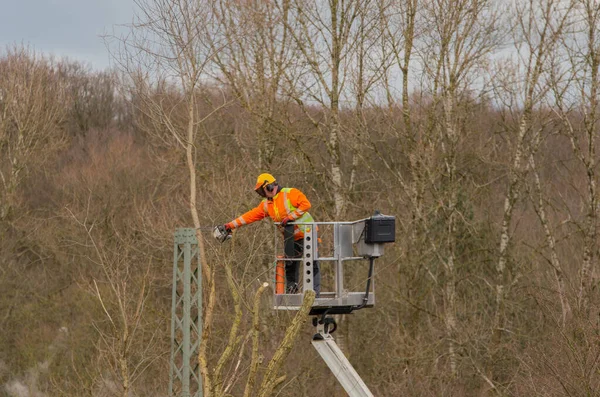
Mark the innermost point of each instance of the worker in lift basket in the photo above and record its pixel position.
(284, 205)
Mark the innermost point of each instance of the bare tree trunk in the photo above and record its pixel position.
(207, 271)
(450, 314)
(451, 62)
(329, 26)
(334, 136)
(540, 43)
(551, 241)
(233, 341)
(410, 13)
(255, 55)
(515, 176)
(254, 362)
(590, 244)
(124, 367)
(272, 379)
(584, 62)
(336, 170)
(449, 147)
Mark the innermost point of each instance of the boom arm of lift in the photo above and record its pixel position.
(336, 360)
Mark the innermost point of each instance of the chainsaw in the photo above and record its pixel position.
(221, 233)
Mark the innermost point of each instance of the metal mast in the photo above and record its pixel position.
(186, 316)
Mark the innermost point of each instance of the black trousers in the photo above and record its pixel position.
(292, 268)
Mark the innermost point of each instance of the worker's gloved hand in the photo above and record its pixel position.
(285, 221)
(222, 233)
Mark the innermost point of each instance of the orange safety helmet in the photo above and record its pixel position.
(264, 181)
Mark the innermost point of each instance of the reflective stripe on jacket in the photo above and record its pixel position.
(288, 202)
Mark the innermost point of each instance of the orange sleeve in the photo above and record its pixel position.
(298, 200)
(255, 214)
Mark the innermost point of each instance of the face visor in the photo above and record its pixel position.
(261, 190)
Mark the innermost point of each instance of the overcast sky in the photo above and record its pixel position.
(64, 28)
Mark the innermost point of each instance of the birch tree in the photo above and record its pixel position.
(576, 86)
(325, 35)
(369, 77)
(538, 28)
(463, 36)
(256, 51)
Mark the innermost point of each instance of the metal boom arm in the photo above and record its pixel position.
(337, 361)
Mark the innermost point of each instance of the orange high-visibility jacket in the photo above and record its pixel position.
(288, 202)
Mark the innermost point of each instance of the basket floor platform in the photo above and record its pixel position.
(327, 302)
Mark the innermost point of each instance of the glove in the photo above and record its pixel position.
(285, 221)
(227, 228)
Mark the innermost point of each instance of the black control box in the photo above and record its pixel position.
(380, 229)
